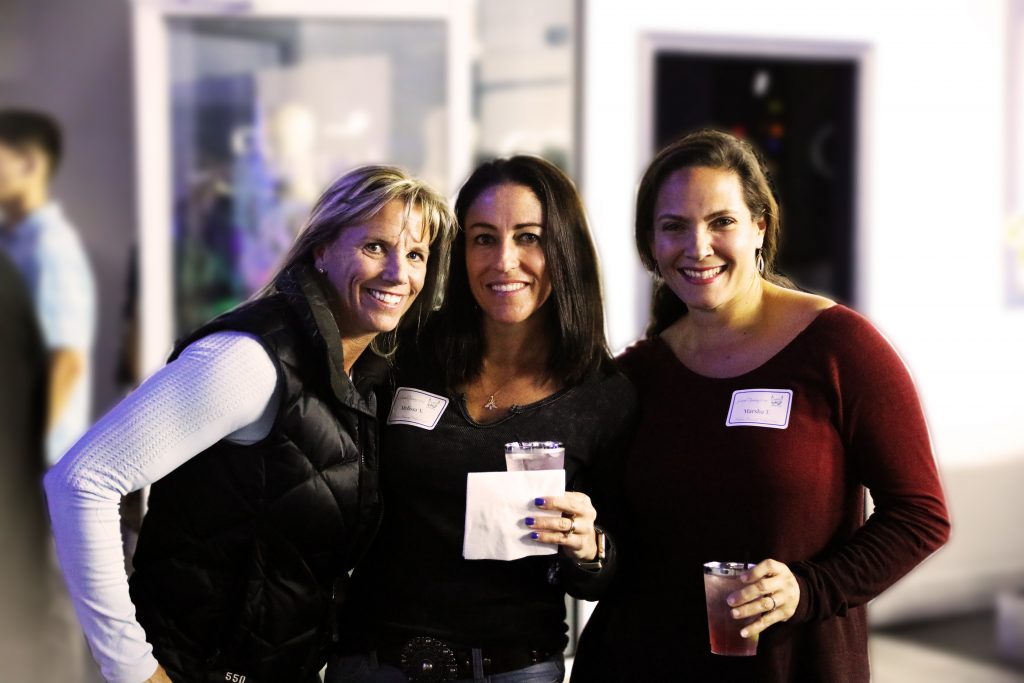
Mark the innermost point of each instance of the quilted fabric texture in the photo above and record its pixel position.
(245, 548)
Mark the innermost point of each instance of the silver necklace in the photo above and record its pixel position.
(490, 404)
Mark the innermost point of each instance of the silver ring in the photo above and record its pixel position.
(772, 598)
(572, 527)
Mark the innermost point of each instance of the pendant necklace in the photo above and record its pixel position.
(490, 404)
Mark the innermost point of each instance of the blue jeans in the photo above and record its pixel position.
(365, 669)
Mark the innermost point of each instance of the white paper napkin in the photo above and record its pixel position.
(496, 505)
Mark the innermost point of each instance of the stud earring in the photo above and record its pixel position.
(321, 270)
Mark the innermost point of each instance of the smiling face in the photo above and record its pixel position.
(704, 238)
(504, 255)
(376, 269)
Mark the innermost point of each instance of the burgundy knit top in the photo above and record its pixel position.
(773, 463)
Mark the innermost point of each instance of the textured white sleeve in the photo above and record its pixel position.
(221, 384)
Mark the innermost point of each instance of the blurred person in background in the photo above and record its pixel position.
(765, 414)
(259, 439)
(44, 245)
(24, 593)
(517, 352)
(46, 249)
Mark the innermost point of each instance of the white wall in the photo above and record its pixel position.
(934, 191)
(984, 557)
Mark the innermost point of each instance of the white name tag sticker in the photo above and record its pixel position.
(417, 408)
(760, 408)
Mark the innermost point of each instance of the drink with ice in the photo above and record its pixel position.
(721, 579)
(521, 456)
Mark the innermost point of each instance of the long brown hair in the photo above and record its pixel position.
(574, 316)
(709, 149)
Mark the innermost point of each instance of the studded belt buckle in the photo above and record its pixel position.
(427, 660)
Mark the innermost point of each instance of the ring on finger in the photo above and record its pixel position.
(774, 605)
(572, 527)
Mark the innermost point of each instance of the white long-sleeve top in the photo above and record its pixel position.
(223, 386)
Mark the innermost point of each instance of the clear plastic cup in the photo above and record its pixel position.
(721, 579)
(523, 456)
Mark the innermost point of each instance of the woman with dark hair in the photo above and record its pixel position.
(516, 353)
(259, 438)
(765, 413)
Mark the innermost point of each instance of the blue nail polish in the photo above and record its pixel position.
(534, 535)
(538, 501)
(529, 521)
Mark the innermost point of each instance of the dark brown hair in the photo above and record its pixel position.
(708, 149)
(21, 129)
(574, 315)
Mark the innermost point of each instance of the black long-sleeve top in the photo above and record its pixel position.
(414, 580)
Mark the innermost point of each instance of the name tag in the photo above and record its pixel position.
(760, 408)
(417, 408)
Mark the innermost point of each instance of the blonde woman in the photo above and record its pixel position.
(259, 439)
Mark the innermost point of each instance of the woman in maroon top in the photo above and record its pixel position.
(765, 413)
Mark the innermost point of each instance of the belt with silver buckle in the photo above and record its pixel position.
(424, 659)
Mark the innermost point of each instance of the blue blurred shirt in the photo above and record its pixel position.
(47, 250)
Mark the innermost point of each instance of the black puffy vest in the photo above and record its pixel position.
(245, 549)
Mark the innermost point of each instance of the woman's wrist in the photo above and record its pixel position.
(597, 562)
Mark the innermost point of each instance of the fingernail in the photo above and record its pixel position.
(534, 535)
(529, 521)
(731, 600)
(538, 501)
(744, 577)
(744, 633)
(735, 614)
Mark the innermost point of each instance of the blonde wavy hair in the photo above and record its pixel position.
(358, 196)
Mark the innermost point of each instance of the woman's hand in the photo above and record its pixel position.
(771, 592)
(159, 676)
(574, 530)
